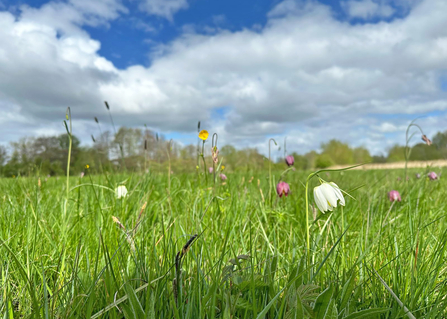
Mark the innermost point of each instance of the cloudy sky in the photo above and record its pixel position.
(355, 70)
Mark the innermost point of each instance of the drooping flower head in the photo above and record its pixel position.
(82, 174)
(289, 160)
(282, 189)
(223, 177)
(426, 140)
(203, 135)
(210, 170)
(326, 196)
(214, 153)
(432, 176)
(121, 191)
(394, 196)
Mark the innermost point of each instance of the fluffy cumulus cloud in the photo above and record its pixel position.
(304, 75)
(367, 9)
(163, 8)
(68, 17)
(377, 9)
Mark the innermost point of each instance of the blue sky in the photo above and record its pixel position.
(127, 40)
(356, 70)
(135, 41)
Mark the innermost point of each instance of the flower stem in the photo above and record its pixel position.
(204, 163)
(284, 173)
(307, 216)
(198, 153)
(69, 134)
(68, 164)
(214, 145)
(307, 200)
(407, 141)
(270, 172)
(343, 238)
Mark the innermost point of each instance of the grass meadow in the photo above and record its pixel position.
(179, 247)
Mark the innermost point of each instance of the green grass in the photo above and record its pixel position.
(71, 260)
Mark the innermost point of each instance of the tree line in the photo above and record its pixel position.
(135, 149)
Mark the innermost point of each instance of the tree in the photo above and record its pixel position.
(423, 152)
(131, 140)
(379, 159)
(323, 161)
(340, 153)
(64, 142)
(22, 150)
(311, 158)
(3, 155)
(440, 142)
(361, 155)
(301, 162)
(396, 154)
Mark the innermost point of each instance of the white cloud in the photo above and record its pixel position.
(68, 17)
(163, 8)
(386, 127)
(305, 75)
(367, 9)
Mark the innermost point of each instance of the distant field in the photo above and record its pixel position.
(72, 259)
(397, 165)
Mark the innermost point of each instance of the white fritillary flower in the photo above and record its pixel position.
(327, 195)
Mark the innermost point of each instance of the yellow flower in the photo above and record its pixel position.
(203, 135)
(222, 168)
(87, 166)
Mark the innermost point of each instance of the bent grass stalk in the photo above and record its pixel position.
(120, 144)
(399, 302)
(145, 148)
(168, 152)
(70, 140)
